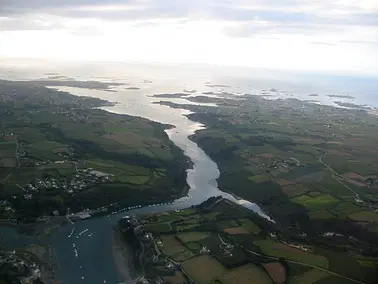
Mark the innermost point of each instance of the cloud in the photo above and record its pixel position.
(322, 43)
(27, 24)
(209, 31)
(283, 12)
(359, 42)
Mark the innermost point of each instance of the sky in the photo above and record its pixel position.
(338, 36)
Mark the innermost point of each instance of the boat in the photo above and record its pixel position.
(82, 232)
(70, 235)
(90, 235)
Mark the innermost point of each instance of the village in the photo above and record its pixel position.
(17, 266)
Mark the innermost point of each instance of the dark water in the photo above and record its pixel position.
(95, 261)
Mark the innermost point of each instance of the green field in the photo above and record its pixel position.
(176, 278)
(249, 226)
(159, 227)
(8, 146)
(46, 145)
(168, 218)
(227, 224)
(310, 277)
(365, 216)
(125, 173)
(182, 256)
(116, 167)
(171, 246)
(332, 279)
(203, 269)
(62, 169)
(8, 162)
(259, 178)
(22, 176)
(187, 211)
(186, 227)
(272, 248)
(319, 202)
(321, 214)
(347, 208)
(193, 246)
(245, 275)
(192, 236)
(373, 263)
(295, 189)
(137, 180)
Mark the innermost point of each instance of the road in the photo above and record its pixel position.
(69, 220)
(17, 154)
(19, 186)
(305, 264)
(4, 179)
(337, 177)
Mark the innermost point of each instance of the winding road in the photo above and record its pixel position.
(337, 177)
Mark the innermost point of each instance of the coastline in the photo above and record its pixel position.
(123, 257)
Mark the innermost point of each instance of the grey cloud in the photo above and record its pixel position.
(43, 4)
(22, 23)
(256, 29)
(148, 9)
(359, 42)
(280, 15)
(321, 43)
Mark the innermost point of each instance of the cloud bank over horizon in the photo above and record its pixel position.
(319, 35)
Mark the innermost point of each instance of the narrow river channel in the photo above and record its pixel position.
(90, 257)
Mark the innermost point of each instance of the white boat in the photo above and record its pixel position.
(70, 235)
(82, 232)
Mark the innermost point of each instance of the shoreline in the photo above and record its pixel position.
(123, 257)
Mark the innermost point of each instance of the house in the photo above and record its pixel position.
(204, 250)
